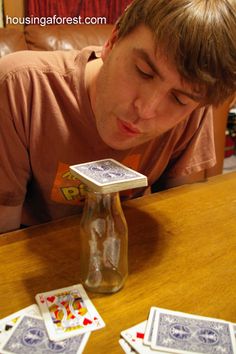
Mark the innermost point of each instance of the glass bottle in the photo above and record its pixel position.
(103, 243)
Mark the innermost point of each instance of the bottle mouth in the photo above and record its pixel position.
(91, 190)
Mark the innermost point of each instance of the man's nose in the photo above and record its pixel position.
(147, 106)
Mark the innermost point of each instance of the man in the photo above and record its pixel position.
(144, 99)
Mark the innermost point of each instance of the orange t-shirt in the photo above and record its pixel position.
(47, 124)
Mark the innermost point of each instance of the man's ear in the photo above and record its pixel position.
(108, 45)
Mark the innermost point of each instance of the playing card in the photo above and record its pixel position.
(68, 312)
(9, 322)
(108, 175)
(29, 336)
(126, 347)
(177, 332)
(147, 340)
(134, 337)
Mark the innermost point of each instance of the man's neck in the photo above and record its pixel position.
(91, 71)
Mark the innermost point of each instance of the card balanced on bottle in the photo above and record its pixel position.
(108, 175)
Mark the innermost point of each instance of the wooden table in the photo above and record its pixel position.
(182, 256)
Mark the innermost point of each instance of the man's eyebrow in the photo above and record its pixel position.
(144, 56)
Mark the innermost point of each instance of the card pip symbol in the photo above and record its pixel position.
(140, 335)
(51, 298)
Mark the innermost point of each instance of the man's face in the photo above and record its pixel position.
(139, 94)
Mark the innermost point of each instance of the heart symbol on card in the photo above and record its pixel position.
(87, 322)
(51, 298)
(140, 335)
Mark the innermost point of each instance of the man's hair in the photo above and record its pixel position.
(198, 35)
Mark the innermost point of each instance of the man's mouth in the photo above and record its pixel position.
(127, 128)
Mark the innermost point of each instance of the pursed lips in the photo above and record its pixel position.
(127, 128)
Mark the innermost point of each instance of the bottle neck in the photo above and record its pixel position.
(102, 203)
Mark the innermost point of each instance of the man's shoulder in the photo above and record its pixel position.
(60, 61)
(199, 118)
(37, 60)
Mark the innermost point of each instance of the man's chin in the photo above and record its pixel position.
(121, 145)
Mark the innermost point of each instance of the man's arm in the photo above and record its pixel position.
(166, 183)
(193, 178)
(10, 218)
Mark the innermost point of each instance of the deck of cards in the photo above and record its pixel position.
(168, 331)
(61, 322)
(108, 175)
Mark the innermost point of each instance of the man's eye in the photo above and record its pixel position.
(181, 103)
(144, 74)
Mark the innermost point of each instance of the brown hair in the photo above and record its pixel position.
(198, 35)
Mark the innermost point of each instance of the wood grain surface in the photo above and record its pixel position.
(182, 256)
